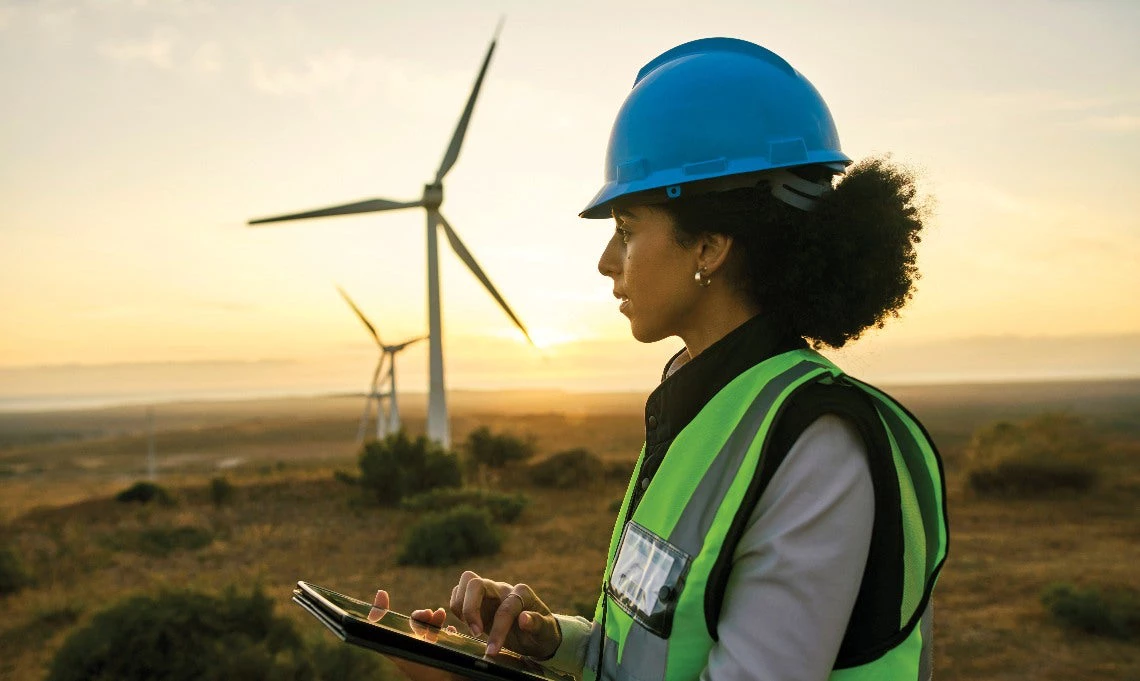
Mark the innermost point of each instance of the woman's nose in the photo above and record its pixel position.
(608, 264)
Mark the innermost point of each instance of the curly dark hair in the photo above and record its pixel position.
(827, 275)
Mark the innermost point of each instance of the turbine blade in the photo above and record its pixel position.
(469, 260)
(461, 129)
(396, 348)
(367, 324)
(369, 206)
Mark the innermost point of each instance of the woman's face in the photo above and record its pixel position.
(652, 273)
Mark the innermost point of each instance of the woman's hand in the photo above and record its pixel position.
(512, 616)
(435, 618)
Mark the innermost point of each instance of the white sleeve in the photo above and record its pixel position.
(797, 569)
(570, 656)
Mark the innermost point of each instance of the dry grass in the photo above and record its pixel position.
(290, 520)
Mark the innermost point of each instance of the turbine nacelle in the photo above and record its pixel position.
(433, 196)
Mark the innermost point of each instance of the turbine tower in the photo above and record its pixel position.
(438, 428)
(387, 408)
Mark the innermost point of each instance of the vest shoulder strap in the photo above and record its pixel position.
(873, 626)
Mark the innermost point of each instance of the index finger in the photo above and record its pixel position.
(506, 616)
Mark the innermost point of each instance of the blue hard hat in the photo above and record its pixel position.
(709, 115)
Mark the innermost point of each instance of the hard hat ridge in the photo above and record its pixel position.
(713, 114)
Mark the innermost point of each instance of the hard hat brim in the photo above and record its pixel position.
(664, 186)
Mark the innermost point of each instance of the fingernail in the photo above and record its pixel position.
(492, 649)
(476, 629)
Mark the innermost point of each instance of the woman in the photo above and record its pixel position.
(784, 520)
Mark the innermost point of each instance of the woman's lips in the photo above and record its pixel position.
(624, 302)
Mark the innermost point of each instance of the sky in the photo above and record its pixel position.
(138, 136)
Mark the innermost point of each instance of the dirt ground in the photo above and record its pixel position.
(290, 519)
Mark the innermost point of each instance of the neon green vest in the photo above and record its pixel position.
(701, 485)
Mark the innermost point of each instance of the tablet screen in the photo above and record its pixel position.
(402, 624)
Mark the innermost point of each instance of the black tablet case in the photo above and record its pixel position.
(398, 640)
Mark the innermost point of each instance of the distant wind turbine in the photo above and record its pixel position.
(387, 415)
(438, 428)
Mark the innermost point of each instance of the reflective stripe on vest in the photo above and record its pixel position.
(691, 505)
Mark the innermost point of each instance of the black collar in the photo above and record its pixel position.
(680, 397)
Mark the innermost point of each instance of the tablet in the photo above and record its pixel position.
(389, 632)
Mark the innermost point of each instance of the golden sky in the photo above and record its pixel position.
(138, 136)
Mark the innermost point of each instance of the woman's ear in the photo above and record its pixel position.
(712, 251)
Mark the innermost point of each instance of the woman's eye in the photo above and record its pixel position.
(623, 234)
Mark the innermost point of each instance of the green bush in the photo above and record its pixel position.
(497, 450)
(145, 492)
(1114, 613)
(184, 635)
(160, 541)
(44, 623)
(619, 471)
(397, 466)
(221, 491)
(504, 508)
(13, 575)
(332, 660)
(571, 468)
(346, 477)
(449, 537)
(1040, 456)
(1018, 478)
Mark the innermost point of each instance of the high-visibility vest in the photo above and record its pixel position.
(688, 512)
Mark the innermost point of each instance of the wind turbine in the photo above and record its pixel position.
(387, 419)
(438, 428)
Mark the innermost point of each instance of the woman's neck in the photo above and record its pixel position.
(722, 313)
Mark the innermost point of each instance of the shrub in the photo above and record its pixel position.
(1018, 478)
(571, 468)
(497, 450)
(1037, 457)
(1114, 613)
(44, 623)
(448, 537)
(346, 477)
(160, 541)
(619, 471)
(184, 635)
(504, 508)
(334, 661)
(221, 492)
(397, 466)
(145, 492)
(13, 575)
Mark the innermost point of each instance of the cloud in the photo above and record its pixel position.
(58, 19)
(336, 70)
(8, 16)
(206, 59)
(179, 8)
(1117, 123)
(157, 50)
(961, 108)
(993, 198)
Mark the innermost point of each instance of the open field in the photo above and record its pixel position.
(289, 519)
